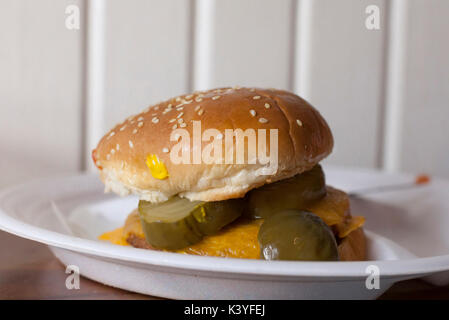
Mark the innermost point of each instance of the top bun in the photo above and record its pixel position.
(304, 138)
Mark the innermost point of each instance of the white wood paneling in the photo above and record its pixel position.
(339, 69)
(146, 54)
(40, 90)
(243, 42)
(95, 78)
(140, 52)
(394, 83)
(418, 134)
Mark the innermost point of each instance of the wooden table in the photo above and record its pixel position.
(28, 270)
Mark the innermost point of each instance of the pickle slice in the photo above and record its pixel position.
(212, 216)
(297, 235)
(169, 225)
(293, 193)
(178, 223)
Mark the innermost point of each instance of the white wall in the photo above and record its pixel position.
(384, 92)
(340, 71)
(41, 67)
(419, 139)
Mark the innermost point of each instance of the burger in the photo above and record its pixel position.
(230, 172)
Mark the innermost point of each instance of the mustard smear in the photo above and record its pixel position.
(157, 167)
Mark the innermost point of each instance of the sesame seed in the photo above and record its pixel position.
(219, 136)
(179, 108)
(123, 128)
(180, 115)
(189, 96)
(183, 125)
(165, 150)
(178, 99)
(237, 87)
(112, 151)
(131, 144)
(216, 97)
(175, 126)
(140, 119)
(256, 97)
(263, 120)
(198, 99)
(253, 112)
(156, 108)
(155, 120)
(172, 120)
(197, 107)
(188, 101)
(169, 106)
(267, 105)
(299, 122)
(200, 112)
(140, 124)
(111, 134)
(180, 120)
(134, 131)
(117, 147)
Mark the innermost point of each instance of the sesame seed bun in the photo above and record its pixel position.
(304, 139)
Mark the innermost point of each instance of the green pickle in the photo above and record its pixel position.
(292, 193)
(297, 235)
(178, 222)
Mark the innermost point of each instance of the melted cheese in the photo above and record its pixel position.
(333, 208)
(115, 236)
(238, 240)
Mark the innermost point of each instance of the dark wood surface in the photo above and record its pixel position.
(28, 270)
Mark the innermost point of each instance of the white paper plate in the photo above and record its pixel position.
(408, 238)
